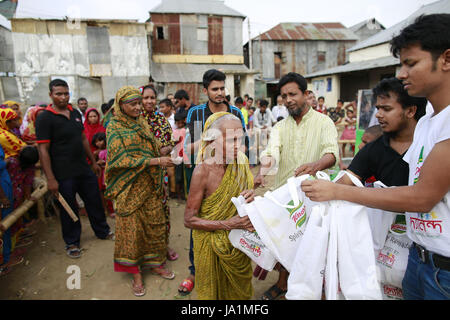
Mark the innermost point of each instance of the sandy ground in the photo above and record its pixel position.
(44, 274)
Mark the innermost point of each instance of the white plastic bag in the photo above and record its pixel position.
(356, 261)
(249, 242)
(380, 222)
(305, 281)
(392, 260)
(280, 219)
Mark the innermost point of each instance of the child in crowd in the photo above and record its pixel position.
(179, 136)
(349, 132)
(251, 112)
(100, 153)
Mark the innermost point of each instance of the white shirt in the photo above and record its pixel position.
(430, 230)
(280, 111)
(171, 120)
(263, 119)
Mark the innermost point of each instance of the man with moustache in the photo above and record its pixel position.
(303, 143)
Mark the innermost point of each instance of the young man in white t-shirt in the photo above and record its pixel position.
(424, 51)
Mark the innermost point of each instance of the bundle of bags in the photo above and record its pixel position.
(327, 247)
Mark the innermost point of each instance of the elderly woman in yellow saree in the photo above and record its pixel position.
(133, 177)
(222, 172)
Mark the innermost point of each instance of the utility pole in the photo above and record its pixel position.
(250, 53)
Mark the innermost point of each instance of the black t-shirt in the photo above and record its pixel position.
(378, 159)
(67, 154)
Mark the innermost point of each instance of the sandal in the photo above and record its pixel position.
(4, 270)
(163, 272)
(23, 243)
(187, 284)
(15, 261)
(273, 293)
(138, 291)
(172, 255)
(73, 252)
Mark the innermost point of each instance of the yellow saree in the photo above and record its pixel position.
(222, 271)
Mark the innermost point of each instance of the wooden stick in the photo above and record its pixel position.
(67, 207)
(22, 209)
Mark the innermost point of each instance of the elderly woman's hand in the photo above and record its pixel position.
(249, 195)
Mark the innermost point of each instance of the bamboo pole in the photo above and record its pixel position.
(67, 207)
(22, 209)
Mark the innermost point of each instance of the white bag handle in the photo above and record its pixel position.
(379, 184)
(292, 191)
(354, 179)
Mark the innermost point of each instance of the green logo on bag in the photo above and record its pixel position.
(298, 214)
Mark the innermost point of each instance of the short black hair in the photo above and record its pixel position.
(250, 98)
(28, 157)
(385, 86)
(321, 98)
(431, 32)
(57, 83)
(148, 86)
(99, 136)
(253, 108)
(341, 101)
(181, 94)
(238, 100)
(263, 103)
(375, 131)
(81, 99)
(293, 77)
(182, 115)
(213, 75)
(167, 102)
(280, 118)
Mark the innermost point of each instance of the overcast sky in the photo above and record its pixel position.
(263, 14)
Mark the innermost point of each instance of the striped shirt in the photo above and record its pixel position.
(196, 119)
(293, 145)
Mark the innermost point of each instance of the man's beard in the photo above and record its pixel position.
(297, 112)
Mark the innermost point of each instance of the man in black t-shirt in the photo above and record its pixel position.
(63, 149)
(398, 114)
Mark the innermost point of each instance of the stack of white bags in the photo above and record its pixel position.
(342, 249)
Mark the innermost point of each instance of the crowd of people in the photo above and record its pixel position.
(134, 154)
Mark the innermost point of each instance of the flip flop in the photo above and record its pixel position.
(273, 293)
(73, 252)
(15, 261)
(4, 270)
(166, 274)
(172, 257)
(187, 284)
(138, 291)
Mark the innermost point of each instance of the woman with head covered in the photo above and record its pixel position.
(222, 272)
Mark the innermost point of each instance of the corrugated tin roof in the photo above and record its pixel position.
(189, 73)
(216, 7)
(357, 66)
(308, 31)
(5, 23)
(370, 21)
(384, 36)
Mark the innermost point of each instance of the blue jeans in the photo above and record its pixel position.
(425, 281)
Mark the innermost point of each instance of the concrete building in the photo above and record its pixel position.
(8, 85)
(367, 28)
(370, 61)
(299, 47)
(96, 57)
(192, 36)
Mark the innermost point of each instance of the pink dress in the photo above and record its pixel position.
(349, 132)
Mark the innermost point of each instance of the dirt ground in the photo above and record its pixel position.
(44, 276)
